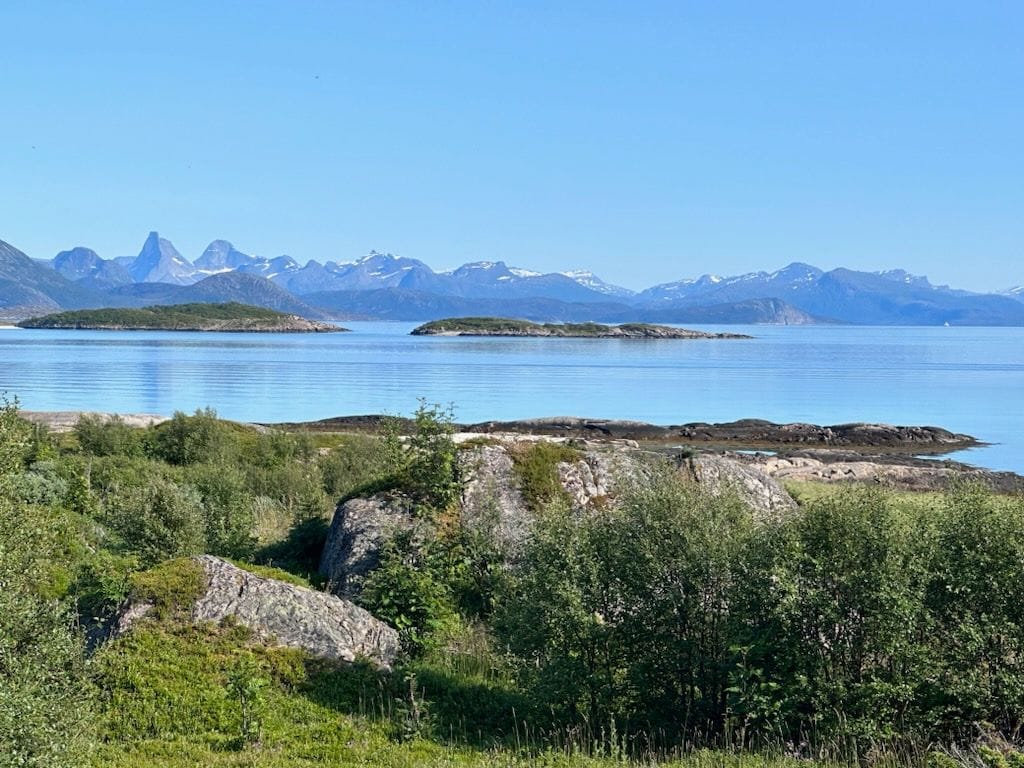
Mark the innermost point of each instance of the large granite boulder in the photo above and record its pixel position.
(358, 532)
(492, 503)
(283, 614)
(758, 489)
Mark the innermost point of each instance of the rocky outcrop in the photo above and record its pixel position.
(492, 504)
(596, 476)
(283, 614)
(755, 486)
(358, 531)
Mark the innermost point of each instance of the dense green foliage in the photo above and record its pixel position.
(44, 694)
(865, 626)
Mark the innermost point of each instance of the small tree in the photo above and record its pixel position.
(432, 469)
(158, 521)
(247, 685)
(201, 437)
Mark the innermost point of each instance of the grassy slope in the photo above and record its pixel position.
(167, 706)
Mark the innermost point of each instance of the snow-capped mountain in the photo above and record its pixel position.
(588, 279)
(222, 256)
(753, 285)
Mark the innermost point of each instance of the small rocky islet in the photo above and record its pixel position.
(500, 326)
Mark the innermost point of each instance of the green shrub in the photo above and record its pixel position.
(157, 521)
(227, 509)
(200, 438)
(357, 461)
(432, 469)
(404, 592)
(15, 438)
(536, 467)
(102, 436)
(172, 587)
(45, 707)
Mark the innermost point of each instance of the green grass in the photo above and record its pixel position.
(173, 586)
(536, 468)
(166, 705)
(270, 572)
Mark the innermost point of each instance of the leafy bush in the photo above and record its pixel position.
(404, 592)
(227, 509)
(44, 693)
(200, 438)
(158, 521)
(432, 469)
(358, 460)
(100, 436)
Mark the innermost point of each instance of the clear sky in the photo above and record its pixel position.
(646, 141)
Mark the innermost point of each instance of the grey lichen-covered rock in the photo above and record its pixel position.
(492, 504)
(358, 531)
(597, 474)
(755, 486)
(284, 614)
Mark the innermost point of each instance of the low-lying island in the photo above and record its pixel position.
(229, 317)
(501, 326)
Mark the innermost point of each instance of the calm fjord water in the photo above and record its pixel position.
(965, 379)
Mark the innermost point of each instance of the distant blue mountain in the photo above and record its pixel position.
(384, 285)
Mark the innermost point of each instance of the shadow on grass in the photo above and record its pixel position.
(418, 700)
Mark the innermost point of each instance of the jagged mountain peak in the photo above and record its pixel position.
(160, 262)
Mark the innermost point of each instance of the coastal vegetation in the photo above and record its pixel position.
(228, 316)
(666, 625)
(502, 326)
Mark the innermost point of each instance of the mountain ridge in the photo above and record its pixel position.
(386, 286)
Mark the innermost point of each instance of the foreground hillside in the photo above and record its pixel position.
(271, 598)
(182, 317)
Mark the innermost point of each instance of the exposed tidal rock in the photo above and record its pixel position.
(358, 532)
(65, 421)
(753, 433)
(755, 486)
(284, 614)
(904, 473)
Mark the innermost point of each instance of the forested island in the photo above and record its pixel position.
(202, 592)
(501, 326)
(224, 317)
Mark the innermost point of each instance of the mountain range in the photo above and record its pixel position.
(385, 286)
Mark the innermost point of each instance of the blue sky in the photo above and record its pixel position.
(645, 141)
